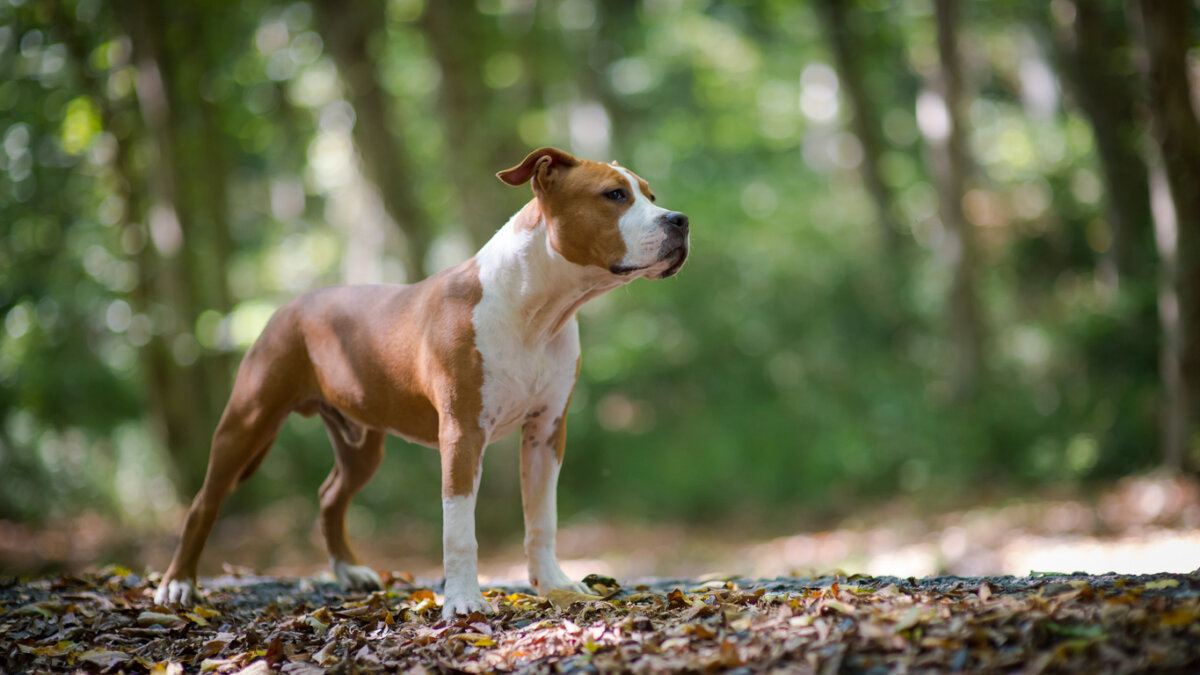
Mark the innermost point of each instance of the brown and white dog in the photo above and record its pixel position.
(452, 362)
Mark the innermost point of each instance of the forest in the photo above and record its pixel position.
(941, 251)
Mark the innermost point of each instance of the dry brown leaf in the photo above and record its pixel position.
(103, 658)
(259, 667)
(564, 599)
(159, 619)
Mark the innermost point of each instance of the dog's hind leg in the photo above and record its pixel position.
(358, 454)
(244, 435)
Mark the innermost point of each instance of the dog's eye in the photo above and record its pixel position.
(616, 195)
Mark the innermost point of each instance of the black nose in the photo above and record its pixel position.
(677, 220)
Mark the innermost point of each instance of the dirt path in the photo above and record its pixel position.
(107, 622)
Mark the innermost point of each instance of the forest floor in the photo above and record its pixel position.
(889, 590)
(108, 622)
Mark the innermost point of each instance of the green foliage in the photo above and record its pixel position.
(794, 366)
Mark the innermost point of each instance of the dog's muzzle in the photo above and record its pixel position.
(675, 248)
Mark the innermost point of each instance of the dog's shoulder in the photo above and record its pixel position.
(458, 285)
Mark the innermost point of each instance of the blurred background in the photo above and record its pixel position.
(942, 312)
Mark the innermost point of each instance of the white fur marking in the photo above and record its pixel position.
(528, 288)
(528, 340)
(541, 525)
(357, 577)
(640, 227)
(176, 592)
(460, 555)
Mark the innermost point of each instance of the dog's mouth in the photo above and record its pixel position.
(680, 254)
(676, 255)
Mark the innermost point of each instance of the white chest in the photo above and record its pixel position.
(520, 379)
(525, 328)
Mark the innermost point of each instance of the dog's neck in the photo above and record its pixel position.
(539, 289)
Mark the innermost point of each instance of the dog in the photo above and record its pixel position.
(451, 362)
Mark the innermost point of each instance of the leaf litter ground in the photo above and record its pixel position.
(108, 622)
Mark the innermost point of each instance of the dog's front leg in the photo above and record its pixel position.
(462, 462)
(542, 445)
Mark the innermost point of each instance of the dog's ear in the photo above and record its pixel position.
(539, 166)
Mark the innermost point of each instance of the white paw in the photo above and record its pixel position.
(356, 577)
(176, 592)
(464, 602)
(575, 587)
(556, 580)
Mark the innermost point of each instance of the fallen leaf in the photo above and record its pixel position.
(837, 606)
(259, 667)
(215, 645)
(61, 648)
(302, 668)
(103, 657)
(205, 612)
(210, 665)
(196, 618)
(1076, 630)
(564, 599)
(158, 619)
(644, 597)
(48, 609)
(677, 600)
(594, 579)
(319, 627)
(326, 657)
(911, 617)
(676, 643)
(1178, 617)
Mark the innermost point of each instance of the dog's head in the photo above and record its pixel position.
(603, 215)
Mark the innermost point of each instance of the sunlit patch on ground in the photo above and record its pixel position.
(1136, 526)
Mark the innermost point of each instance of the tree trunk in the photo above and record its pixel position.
(177, 394)
(155, 364)
(455, 39)
(1094, 58)
(950, 166)
(347, 30)
(866, 123)
(1165, 41)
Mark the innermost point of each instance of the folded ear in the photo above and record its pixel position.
(538, 165)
